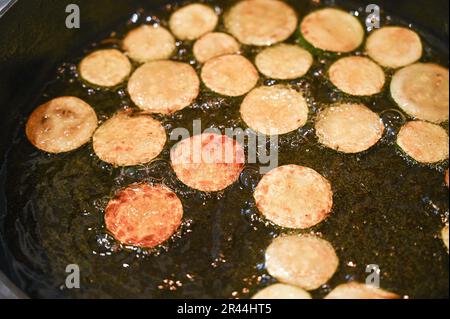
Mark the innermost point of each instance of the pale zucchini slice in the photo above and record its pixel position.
(126, 140)
(284, 61)
(304, 261)
(294, 196)
(332, 30)
(422, 91)
(149, 43)
(105, 68)
(282, 291)
(274, 110)
(394, 47)
(193, 21)
(213, 45)
(424, 142)
(349, 128)
(61, 125)
(261, 22)
(164, 86)
(230, 75)
(357, 76)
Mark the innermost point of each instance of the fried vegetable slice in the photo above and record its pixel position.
(126, 140)
(394, 47)
(332, 30)
(284, 61)
(349, 128)
(357, 76)
(149, 43)
(61, 125)
(424, 142)
(422, 91)
(164, 86)
(144, 215)
(192, 21)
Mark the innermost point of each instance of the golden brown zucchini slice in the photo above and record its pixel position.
(394, 47)
(349, 128)
(192, 21)
(274, 110)
(261, 22)
(164, 86)
(61, 125)
(126, 140)
(230, 75)
(143, 215)
(332, 30)
(284, 61)
(422, 91)
(105, 68)
(424, 142)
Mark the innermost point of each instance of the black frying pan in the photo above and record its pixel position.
(33, 40)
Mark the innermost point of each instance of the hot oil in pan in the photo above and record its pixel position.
(387, 210)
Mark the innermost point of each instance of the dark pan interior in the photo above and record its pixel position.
(388, 211)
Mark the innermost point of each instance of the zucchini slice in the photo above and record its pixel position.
(332, 30)
(125, 140)
(208, 162)
(284, 61)
(349, 128)
(106, 68)
(61, 125)
(274, 110)
(282, 291)
(193, 21)
(425, 142)
(357, 76)
(394, 47)
(144, 215)
(261, 22)
(422, 91)
(164, 86)
(148, 43)
(213, 45)
(444, 235)
(304, 261)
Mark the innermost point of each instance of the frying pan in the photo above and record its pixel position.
(33, 40)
